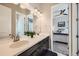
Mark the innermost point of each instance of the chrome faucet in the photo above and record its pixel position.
(16, 38)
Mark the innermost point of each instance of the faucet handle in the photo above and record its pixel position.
(11, 36)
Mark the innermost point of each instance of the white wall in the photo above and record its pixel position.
(74, 29)
(45, 19)
(5, 21)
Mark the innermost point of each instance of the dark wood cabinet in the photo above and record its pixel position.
(34, 50)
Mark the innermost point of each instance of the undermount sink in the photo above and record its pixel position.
(18, 44)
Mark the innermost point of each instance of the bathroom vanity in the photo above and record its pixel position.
(34, 50)
(27, 46)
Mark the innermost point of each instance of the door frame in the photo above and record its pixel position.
(74, 29)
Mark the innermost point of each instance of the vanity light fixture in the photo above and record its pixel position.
(36, 12)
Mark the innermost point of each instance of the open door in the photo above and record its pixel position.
(61, 29)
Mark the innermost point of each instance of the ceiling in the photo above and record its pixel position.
(41, 6)
(38, 6)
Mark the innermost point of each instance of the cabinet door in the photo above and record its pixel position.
(35, 50)
(42, 45)
(30, 51)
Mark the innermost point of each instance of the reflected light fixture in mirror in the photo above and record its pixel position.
(22, 5)
(36, 12)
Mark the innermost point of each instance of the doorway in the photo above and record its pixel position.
(60, 29)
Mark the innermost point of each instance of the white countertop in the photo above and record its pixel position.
(10, 48)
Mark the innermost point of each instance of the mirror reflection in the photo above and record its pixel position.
(20, 24)
(25, 25)
(30, 25)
